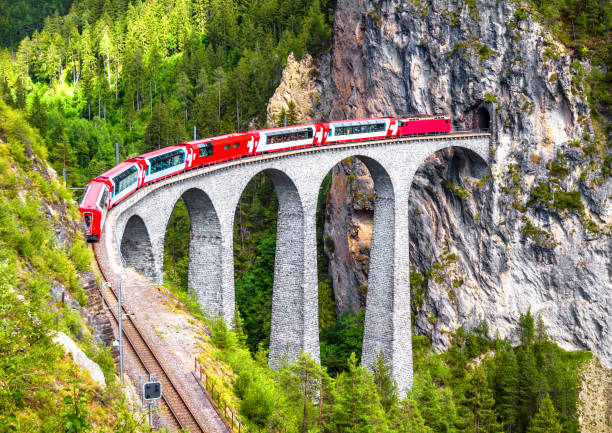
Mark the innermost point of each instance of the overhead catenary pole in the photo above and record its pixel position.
(120, 315)
(116, 153)
(195, 133)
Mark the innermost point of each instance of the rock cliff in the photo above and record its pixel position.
(529, 229)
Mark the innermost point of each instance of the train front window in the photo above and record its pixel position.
(87, 220)
(125, 179)
(166, 161)
(361, 129)
(206, 149)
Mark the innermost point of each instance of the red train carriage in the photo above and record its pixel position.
(104, 192)
(219, 149)
(424, 124)
(93, 209)
(159, 164)
(360, 129)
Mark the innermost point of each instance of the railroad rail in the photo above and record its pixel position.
(182, 415)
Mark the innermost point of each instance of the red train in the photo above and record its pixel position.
(114, 185)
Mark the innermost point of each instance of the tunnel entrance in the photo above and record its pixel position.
(481, 119)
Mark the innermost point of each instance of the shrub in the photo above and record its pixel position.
(491, 98)
(568, 200)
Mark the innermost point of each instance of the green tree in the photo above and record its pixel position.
(357, 406)
(546, 419)
(387, 387)
(304, 381)
(478, 405)
(409, 418)
(527, 328)
(505, 380)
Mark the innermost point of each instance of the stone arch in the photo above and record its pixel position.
(287, 320)
(205, 249)
(442, 220)
(379, 319)
(378, 328)
(136, 248)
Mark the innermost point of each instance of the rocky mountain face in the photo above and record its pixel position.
(529, 229)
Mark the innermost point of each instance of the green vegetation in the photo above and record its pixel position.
(540, 194)
(539, 235)
(568, 200)
(584, 27)
(42, 389)
(457, 190)
(518, 389)
(143, 74)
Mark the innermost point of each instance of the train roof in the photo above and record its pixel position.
(218, 137)
(159, 151)
(287, 128)
(423, 116)
(92, 193)
(358, 121)
(117, 169)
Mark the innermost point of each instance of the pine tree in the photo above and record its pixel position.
(506, 377)
(387, 387)
(292, 114)
(526, 328)
(357, 407)
(478, 406)
(237, 327)
(409, 418)
(546, 420)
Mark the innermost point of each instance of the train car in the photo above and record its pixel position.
(287, 137)
(222, 148)
(424, 124)
(160, 164)
(343, 131)
(104, 192)
(93, 209)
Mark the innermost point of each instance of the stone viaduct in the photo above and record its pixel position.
(134, 231)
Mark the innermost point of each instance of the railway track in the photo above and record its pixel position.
(179, 411)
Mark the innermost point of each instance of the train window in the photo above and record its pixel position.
(166, 161)
(283, 137)
(446, 120)
(103, 198)
(227, 146)
(125, 179)
(361, 129)
(206, 149)
(236, 145)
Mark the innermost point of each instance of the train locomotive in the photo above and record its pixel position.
(118, 183)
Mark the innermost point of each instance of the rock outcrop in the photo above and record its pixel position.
(79, 358)
(529, 229)
(301, 84)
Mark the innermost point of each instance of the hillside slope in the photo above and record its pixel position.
(44, 265)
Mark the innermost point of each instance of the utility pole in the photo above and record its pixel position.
(120, 314)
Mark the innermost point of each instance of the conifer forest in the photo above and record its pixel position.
(80, 78)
